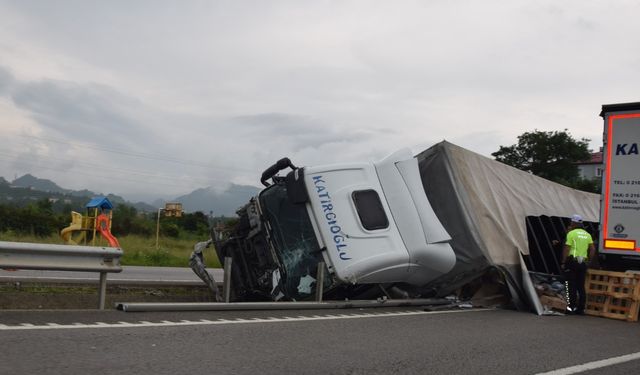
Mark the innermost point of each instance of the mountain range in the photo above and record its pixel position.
(219, 202)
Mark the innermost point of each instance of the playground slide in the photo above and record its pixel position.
(76, 226)
(113, 242)
(102, 225)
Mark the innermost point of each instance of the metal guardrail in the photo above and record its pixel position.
(32, 256)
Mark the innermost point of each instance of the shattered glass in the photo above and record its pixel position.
(295, 240)
(305, 286)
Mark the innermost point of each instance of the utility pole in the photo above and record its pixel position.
(171, 209)
(158, 228)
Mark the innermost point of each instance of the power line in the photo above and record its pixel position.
(134, 154)
(66, 171)
(36, 161)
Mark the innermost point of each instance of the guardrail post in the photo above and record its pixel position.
(226, 286)
(320, 282)
(102, 291)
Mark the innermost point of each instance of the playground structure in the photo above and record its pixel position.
(83, 229)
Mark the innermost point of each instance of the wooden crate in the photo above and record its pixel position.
(613, 294)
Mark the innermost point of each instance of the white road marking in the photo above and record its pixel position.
(594, 365)
(203, 322)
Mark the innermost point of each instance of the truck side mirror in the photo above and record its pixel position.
(274, 169)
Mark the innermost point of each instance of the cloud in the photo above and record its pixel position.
(82, 130)
(80, 111)
(296, 131)
(6, 81)
(169, 98)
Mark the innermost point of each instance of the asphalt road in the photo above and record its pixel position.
(129, 275)
(380, 341)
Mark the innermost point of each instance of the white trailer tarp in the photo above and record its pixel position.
(483, 204)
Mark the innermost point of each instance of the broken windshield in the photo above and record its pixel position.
(295, 240)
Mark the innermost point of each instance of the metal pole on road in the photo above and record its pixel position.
(320, 282)
(247, 306)
(228, 261)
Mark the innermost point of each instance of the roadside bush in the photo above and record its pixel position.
(127, 220)
(41, 219)
(36, 219)
(196, 222)
(170, 230)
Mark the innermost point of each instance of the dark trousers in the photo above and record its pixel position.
(576, 273)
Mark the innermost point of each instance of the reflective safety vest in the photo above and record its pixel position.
(578, 241)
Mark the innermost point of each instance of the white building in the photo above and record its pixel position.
(592, 168)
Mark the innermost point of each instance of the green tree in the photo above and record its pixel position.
(592, 186)
(196, 222)
(35, 219)
(552, 155)
(127, 220)
(44, 206)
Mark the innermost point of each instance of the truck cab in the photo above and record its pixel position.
(369, 223)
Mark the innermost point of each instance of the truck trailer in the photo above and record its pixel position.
(619, 246)
(370, 225)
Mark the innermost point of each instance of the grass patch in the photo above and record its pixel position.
(46, 289)
(172, 252)
(139, 250)
(15, 237)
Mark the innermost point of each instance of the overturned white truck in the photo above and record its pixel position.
(371, 224)
(445, 220)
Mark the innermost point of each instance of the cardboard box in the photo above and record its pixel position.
(555, 303)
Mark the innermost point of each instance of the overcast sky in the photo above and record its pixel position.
(158, 98)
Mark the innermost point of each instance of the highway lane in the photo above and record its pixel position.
(129, 274)
(386, 341)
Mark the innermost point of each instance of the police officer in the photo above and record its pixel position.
(578, 251)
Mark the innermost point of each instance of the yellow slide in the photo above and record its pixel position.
(67, 233)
